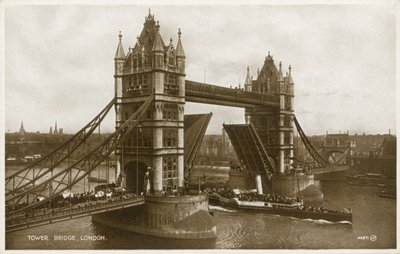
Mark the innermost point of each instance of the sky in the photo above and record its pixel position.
(59, 60)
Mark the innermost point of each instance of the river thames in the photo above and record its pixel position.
(374, 226)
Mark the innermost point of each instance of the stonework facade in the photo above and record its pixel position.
(273, 125)
(152, 67)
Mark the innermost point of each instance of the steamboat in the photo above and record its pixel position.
(275, 204)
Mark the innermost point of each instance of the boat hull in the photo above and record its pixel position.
(289, 212)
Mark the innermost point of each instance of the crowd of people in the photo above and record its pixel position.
(254, 196)
(274, 198)
(68, 198)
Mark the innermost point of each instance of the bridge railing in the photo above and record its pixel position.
(54, 214)
(197, 89)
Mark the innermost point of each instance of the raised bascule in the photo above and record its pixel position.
(156, 145)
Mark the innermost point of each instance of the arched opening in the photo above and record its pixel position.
(135, 172)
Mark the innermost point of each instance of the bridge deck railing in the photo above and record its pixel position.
(69, 211)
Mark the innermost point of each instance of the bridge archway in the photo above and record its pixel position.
(135, 172)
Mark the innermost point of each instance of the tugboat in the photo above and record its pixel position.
(275, 204)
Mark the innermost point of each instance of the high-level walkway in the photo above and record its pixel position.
(211, 94)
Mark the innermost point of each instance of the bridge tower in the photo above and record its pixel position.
(157, 144)
(274, 125)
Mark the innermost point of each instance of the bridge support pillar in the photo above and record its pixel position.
(291, 185)
(178, 217)
(181, 165)
(180, 160)
(156, 186)
(291, 151)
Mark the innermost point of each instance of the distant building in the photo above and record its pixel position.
(56, 131)
(381, 159)
(338, 140)
(216, 148)
(22, 129)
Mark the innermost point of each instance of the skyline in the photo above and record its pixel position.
(341, 56)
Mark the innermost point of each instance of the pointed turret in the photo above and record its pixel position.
(280, 74)
(120, 54)
(269, 57)
(149, 17)
(248, 82)
(158, 45)
(248, 79)
(290, 75)
(180, 54)
(179, 48)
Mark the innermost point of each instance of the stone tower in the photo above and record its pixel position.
(274, 126)
(157, 144)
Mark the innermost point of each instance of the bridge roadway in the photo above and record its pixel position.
(48, 216)
(211, 94)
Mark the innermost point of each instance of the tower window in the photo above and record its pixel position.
(170, 137)
(171, 84)
(170, 111)
(138, 83)
(169, 172)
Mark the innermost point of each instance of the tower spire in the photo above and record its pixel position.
(280, 74)
(179, 48)
(290, 74)
(21, 129)
(149, 17)
(120, 54)
(158, 41)
(248, 82)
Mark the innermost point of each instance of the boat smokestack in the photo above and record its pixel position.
(259, 184)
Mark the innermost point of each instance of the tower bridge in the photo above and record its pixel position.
(156, 143)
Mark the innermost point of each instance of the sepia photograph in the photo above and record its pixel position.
(187, 126)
